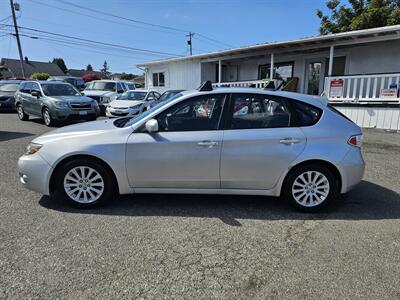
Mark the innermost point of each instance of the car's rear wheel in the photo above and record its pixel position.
(21, 113)
(47, 119)
(311, 187)
(85, 183)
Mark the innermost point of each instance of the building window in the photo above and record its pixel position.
(282, 70)
(159, 79)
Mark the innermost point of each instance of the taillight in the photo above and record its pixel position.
(355, 140)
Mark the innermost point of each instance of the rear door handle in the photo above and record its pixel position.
(289, 141)
(208, 144)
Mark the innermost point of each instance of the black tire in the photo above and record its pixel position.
(108, 179)
(312, 192)
(21, 113)
(47, 118)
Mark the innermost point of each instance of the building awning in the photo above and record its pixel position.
(338, 39)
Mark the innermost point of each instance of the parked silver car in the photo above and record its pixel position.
(222, 141)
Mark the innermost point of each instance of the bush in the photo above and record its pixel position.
(40, 76)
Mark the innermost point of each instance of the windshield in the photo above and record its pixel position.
(59, 89)
(132, 96)
(168, 94)
(102, 86)
(125, 122)
(131, 86)
(9, 87)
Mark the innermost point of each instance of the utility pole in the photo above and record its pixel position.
(21, 59)
(189, 42)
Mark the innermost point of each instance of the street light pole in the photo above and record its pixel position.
(21, 59)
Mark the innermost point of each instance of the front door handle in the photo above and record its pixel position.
(289, 141)
(208, 144)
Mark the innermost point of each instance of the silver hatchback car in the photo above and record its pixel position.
(221, 141)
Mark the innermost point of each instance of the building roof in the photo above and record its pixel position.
(350, 37)
(30, 68)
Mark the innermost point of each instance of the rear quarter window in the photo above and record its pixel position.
(305, 114)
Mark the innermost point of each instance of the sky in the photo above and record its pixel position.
(217, 25)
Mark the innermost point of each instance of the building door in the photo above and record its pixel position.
(315, 76)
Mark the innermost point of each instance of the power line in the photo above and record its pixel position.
(137, 21)
(103, 20)
(122, 18)
(98, 42)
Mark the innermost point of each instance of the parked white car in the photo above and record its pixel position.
(104, 91)
(132, 103)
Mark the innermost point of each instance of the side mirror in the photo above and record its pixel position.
(36, 94)
(152, 125)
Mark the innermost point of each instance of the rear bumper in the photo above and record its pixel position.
(34, 173)
(352, 169)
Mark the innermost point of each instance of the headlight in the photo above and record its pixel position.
(32, 148)
(105, 99)
(60, 104)
(135, 106)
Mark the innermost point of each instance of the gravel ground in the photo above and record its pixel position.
(200, 247)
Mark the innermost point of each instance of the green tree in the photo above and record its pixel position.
(60, 62)
(105, 70)
(89, 67)
(358, 14)
(128, 76)
(40, 76)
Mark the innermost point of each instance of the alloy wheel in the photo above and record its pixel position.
(46, 117)
(20, 112)
(83, 184)
(310, 188)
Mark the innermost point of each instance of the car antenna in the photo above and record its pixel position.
(205, 86)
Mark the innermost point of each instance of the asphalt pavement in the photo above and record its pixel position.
(200, 247)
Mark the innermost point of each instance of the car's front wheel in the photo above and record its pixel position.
(85, 183)
(47, 118)
(310, 187)
(21, 113)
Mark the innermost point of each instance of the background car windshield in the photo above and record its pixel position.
(59, 90)
(102, 86)
(132, 96)
(167, 95)
(8, 87)
(151, 110)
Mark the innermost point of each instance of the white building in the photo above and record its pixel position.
(359, 71)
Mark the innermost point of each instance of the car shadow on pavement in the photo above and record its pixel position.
(11, 135)
(367, 201)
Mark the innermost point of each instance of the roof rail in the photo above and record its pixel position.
(206, 86)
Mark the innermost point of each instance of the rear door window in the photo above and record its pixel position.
(251, 111)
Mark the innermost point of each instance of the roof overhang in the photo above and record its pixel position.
(338, 39)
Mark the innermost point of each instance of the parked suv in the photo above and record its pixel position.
(53, 101)
(75, 81)
(104, 91)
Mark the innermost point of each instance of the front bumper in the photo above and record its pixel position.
(74, 114)
(352, 169)
(112, 112)
(34, 173)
